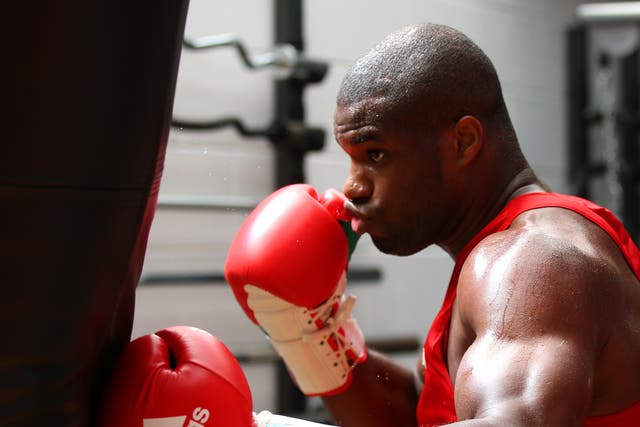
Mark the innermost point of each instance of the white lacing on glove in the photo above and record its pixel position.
(267, 419)
(320, 346)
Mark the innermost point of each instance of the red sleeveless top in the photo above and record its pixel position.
(436, 404)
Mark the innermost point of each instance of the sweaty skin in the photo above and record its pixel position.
(553, 301)
(545, 329)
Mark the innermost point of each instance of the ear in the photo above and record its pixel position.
(468, 133)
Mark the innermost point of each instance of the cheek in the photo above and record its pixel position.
(394, 197)
(406, 211)
(405, 191)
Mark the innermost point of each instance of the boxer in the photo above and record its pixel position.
(539, 326)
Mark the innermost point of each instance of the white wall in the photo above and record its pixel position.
(524, 38)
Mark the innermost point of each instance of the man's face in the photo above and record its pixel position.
(395, 180)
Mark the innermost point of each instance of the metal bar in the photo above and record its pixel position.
(578, 147)
(609, 12)
(628, 131)
(288, 23)
(190, 201)
(288, 93)
(283, 55)
(289, 157)
(206, 125)
(356, 275)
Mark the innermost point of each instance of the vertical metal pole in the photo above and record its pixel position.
(579, 162)
(288, 95)
(628, 131)
(289, 159)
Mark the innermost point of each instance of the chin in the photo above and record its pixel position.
(393, 247)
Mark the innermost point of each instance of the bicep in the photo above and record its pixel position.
(543, 380)
(536, 330)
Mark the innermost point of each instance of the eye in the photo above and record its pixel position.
(375, 155)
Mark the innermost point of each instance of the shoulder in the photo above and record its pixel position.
(542, 273)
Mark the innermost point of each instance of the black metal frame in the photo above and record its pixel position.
(289, 106)
(292, 140)
(628, 127)
(291, 137)
(582, 169)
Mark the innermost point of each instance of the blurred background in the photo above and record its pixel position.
(245, 125)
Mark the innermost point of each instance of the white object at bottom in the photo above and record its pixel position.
(267, 419)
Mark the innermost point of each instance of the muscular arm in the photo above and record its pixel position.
(382, 394)
(537, 335)
(539, 382)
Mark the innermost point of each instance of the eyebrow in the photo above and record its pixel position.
(363, 138)
(358, 134)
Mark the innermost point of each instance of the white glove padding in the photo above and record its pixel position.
(267, 419)
(320, 346)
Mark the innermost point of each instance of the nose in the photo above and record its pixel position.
(357, 188)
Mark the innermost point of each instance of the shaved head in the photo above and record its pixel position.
(424, 123)
(432, 69)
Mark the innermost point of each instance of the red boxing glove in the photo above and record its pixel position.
(178, 377)
(287, 268)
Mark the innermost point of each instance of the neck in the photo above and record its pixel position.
(482, 210)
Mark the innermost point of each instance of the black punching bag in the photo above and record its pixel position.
(88, 91)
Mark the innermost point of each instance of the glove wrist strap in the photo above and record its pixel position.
(320, 346)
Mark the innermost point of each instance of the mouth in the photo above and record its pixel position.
(358, 217)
